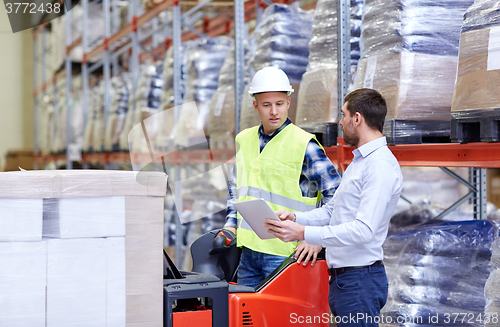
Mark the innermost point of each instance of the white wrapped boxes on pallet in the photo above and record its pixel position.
(98, 261)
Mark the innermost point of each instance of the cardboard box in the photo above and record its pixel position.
(84, 217)
(143, 194)
(22, 283)
(76, 282)
(19, 158)
(477, 78)
(317, 97)
(21, 219)
(144, 261)
(415, 86)
(116, 291)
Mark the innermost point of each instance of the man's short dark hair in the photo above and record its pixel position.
(370, 104)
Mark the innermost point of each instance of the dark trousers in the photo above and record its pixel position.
(357, 296)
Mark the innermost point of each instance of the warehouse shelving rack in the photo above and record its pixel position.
(477, 156)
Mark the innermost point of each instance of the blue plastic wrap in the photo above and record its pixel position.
(282, 37)
(431, 27)
(482, 14)
(205, 60)
(436, 269)
(222, 107)
(492, 288)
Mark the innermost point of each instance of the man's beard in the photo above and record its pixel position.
(351, 139)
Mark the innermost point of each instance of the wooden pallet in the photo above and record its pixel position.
(416, 131)
(475, 126)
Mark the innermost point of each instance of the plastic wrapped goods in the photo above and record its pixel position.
(205, 60)
(148, 101)
(416, 86)
(411, 47)
(120, 90)
(282, 39)
(165, 133)
(479, 60)
(222, 108)
(482, 14)
(317, 98)
(96, 234)
(436, 269)
(94, 114)
(492, 288)
(98, 120)
(431, 27)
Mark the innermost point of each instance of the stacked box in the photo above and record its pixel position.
(410, 85)
(479, 60)
(317, 98)
(99, 262)
(23, 269)
(409, 53)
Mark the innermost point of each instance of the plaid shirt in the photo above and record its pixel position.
(318, 174)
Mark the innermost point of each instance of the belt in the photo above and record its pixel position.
(338, 271)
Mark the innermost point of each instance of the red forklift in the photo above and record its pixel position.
(208, 296)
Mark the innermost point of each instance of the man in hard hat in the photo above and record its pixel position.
(354, 224)
(282, 164)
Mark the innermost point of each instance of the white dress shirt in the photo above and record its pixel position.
(353, 225)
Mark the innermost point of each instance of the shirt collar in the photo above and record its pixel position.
(285, 124)
(369, 147)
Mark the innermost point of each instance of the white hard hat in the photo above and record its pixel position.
(270, 79)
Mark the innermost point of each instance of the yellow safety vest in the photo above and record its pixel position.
(272, 175)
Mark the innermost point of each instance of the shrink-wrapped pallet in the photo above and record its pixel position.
(438, 269)
(205, 60)
(99, 259)
(222, 107)
(317, 96)
(281, 39)
(409, 53)
(479, 60)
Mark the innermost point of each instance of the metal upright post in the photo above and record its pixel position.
(343, 54)
(107, 61)
(258, 12)
(43, 60)
(35, 99)
(477, 177)
(55, 113)
(239, 58)
(69, 132)
(114, 28)
(176, 43)
(134, 59)
(85, 66)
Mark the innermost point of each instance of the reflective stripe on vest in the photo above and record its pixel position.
(272, 175)
(280, 200)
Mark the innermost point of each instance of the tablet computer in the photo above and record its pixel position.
(255, 212)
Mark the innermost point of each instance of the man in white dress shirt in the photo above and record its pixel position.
(353, 225)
